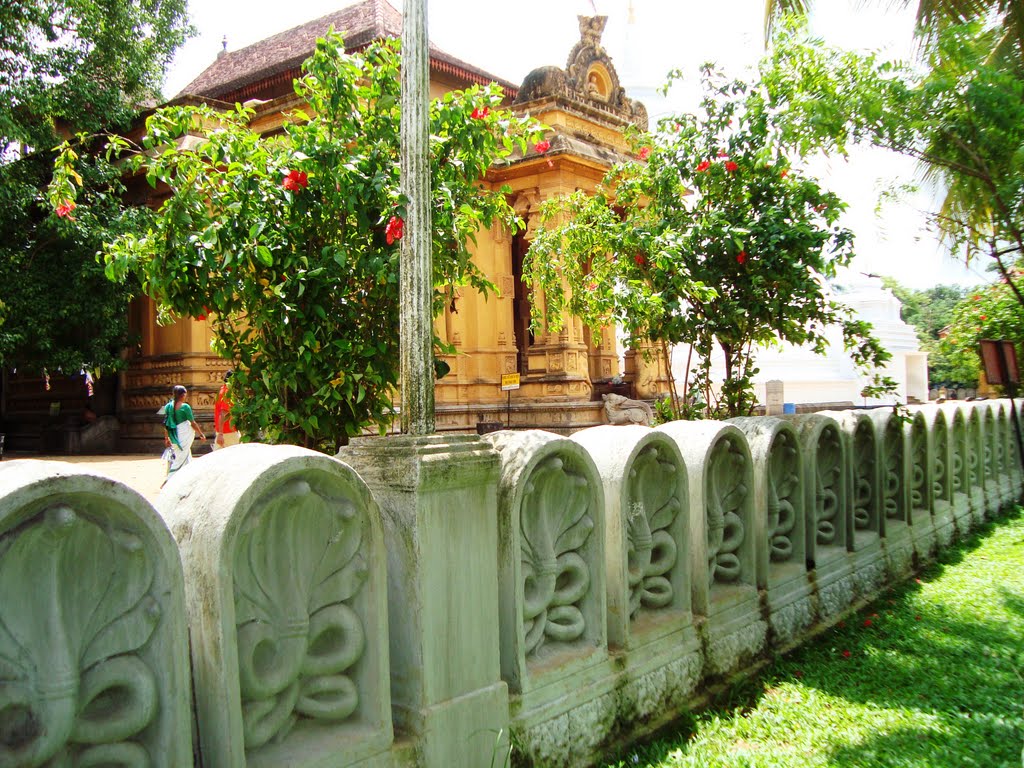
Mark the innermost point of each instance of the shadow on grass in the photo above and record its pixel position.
(960, 679)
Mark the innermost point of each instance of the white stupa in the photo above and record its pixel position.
(832, 378)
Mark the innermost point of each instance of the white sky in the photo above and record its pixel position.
(509, 39)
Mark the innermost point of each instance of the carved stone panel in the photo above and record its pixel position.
(893, 477)
(93, 640)
(656, 500)
(551, 528)
(785, 511)
(865, 494)
(941, 480)
(555, 523)
(726, 502)
(284, 552)
(647, 540)
(298, 635)
(919, 471)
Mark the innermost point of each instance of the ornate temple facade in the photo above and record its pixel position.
(562, 374)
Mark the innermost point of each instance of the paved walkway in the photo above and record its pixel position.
(142, 472)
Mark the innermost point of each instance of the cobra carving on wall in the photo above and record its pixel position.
(864, 478)
(828, 475)
(783, 496)
(957, 454)
(892, 470)
(297, 569)
(651, 550)
(74, 690)
(973, 441)
(726, 494)
(940, 434)
(555, 523)
(918, 464)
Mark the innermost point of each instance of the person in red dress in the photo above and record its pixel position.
(226, 432)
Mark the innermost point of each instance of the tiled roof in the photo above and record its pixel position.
(359, 24)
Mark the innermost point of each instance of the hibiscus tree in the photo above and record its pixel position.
(715, 241)
(292, 243)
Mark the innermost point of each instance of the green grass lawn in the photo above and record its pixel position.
(930, 674)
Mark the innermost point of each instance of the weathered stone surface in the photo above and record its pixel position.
(940, 476)
(919, 485)
(975, 462)
(552, 560)
(647, 545)
(722, 527)
(892, 463)
(93, 639)
(829, 520)
(438, 501)
(622, 410)
(285, 591)
(959, 471)
(552, 595)
(780, 527)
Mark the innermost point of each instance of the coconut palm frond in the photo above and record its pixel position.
(776, 9)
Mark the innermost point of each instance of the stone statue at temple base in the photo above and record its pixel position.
(622, 410)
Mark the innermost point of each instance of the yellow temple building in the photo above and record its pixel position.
(562, 375)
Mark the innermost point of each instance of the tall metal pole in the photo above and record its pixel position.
(416, 280)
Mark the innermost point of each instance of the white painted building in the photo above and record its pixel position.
(832, 377)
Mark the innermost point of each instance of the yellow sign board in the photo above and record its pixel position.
(509, 381)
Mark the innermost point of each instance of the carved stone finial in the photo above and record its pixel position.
(591, 29)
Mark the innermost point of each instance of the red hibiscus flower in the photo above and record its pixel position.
(741, 257)
(64, 210)
(722, 153)
(295, 181)
(784, 173)
(730, 166)
(394, 229)
(847, 654)
(201, 317)
(982, 317)
(640, 259)
(481, 112)
(703, 166)
(644, 153)
(542, 146)
(867, 622)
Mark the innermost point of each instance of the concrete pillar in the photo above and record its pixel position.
(438, 501)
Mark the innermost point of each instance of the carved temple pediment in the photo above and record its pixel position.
(588, 80)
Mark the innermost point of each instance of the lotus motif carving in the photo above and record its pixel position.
(651, 550)
(297, 565)
(726, 495)
(74, 692)
(555, 523)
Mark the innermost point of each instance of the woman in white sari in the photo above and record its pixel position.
(181, 426)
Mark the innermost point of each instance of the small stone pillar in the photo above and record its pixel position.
(438, 501)
(773, 398)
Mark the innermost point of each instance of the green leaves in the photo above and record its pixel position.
(716, 241)
(288, 243)
(84, 63)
